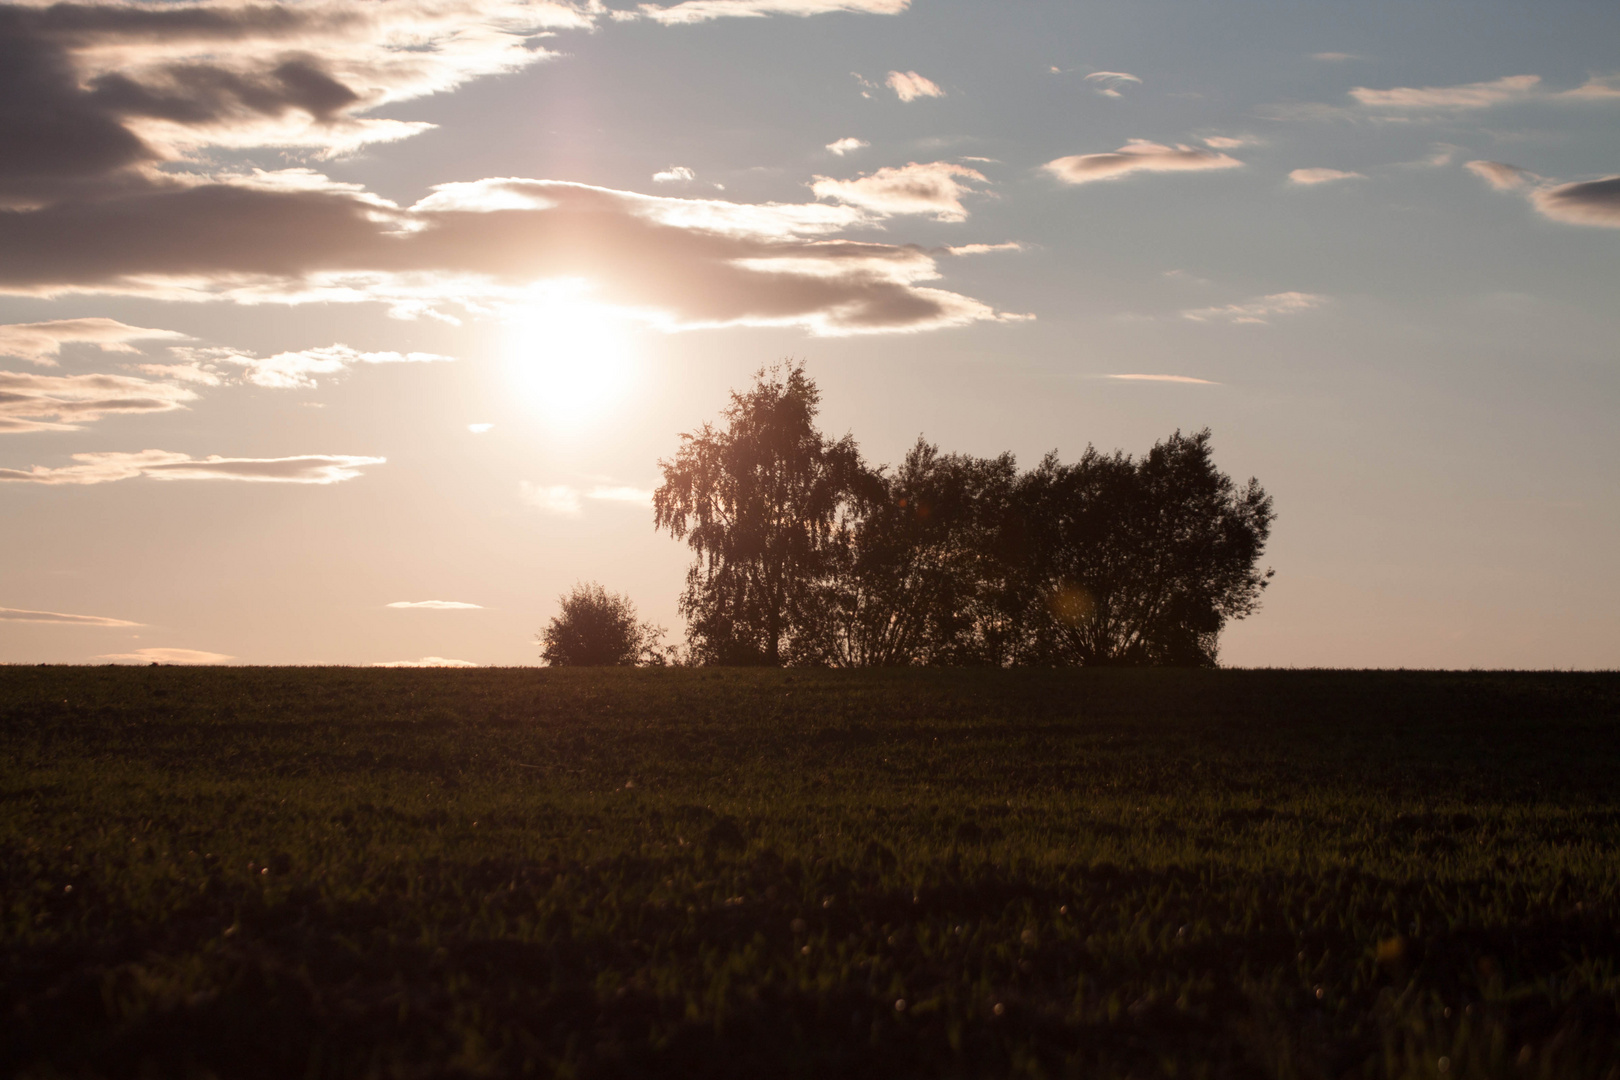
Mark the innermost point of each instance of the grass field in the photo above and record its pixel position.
(279, 873)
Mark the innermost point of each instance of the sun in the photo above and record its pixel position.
(569, 361)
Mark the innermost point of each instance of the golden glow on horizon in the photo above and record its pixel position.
(569, 361)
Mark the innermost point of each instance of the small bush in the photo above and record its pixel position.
(596, 628)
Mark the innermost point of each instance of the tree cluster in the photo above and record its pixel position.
(804, 554)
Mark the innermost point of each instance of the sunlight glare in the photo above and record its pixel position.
(569, 360)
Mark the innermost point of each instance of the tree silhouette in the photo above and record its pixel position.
(1138, 561)
(596, 628)
(917, 579)
(759, 501)
(806, 556)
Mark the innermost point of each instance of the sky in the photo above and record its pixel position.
(354, 332)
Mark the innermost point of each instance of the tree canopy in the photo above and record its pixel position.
(806, 555)
(758, 501)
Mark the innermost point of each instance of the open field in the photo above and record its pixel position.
(719, 873)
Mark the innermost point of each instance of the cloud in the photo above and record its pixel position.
(984, 249)
(1500, 176)
(1509, 90)
(1322, 176)
(1164, 378)
(124, 87)
(1440, 155)
(101, 468)
(119, 124)
(935, 188)
(1596, 88)
(1584, 202)
(677, 262)
(192, 371)
(1334, 57)
(847, 146)
(1137, 155)
(479, 429)
(694, 11)
(41, 342)
(674, 174)
(296, 370)
(437, 605)
(31, 402)
(1480, 95)
(1417, 103)
(427, 661)
(909, 86)
(1229, 142)
(1589, 202)
(22, 615)
(1258, 310)
(168, 656)
(1110, 83)
(106, 91)
(566, 501)
(559, 499)
(638, 496)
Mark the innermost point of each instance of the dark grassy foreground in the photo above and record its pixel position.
(331, 872)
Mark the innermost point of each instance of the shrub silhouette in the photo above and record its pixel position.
(596, 628)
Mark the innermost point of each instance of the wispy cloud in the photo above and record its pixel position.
(30, 402)
(23, 615)
(1322, 176)
(847, 146)
(1164, 378)
(1439, 156)
(195, 369)
(559, 499)
(566, 501)
(1334, 57)
(41, 342)
(675, 174)
(1229, 142)
(679, 262)
(1509, 90)
(1480, 95)
(1259, 310)
(1411, 104)
(909, 86)
(984, 249)
(1583, 202)
(1589, 202)
(1501, 176)
(437, 605)
(1110, 83)
(935, 188)
(694, 11)
(479, 429)
(637, 496)
(427, 661)
(102, 468)
(168, 656)
(295, 370)
(1138, 155)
